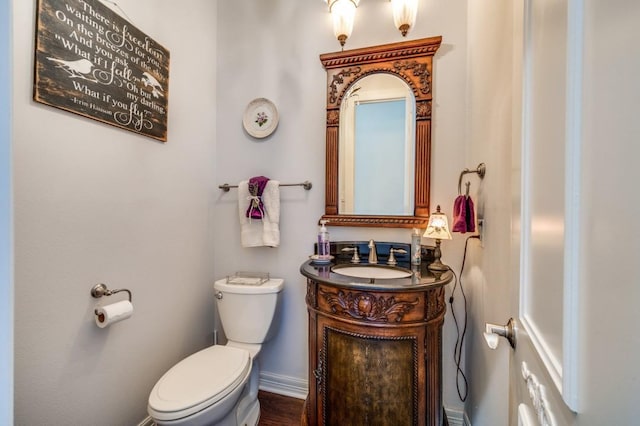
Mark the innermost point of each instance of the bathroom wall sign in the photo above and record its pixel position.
(92, 62)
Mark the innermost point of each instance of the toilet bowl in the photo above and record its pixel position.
(219, 385)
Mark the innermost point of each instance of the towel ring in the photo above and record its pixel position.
(480, 170)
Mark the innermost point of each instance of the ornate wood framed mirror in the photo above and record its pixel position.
(354, 149)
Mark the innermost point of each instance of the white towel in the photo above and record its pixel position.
(265, 231)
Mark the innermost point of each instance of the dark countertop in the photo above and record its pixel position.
(420, 280)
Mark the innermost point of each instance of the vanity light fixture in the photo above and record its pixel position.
(343, 13)
(404, 14)
(438, 229)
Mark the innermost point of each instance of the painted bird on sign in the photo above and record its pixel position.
(79, 68)
(156, 87)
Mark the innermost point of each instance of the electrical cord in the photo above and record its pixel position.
(457, 351)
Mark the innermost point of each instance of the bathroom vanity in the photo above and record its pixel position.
(375, 332)
(375, 344)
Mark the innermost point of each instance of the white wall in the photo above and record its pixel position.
(487, 271)
(94, 203)
(270, 49)
(6, 232)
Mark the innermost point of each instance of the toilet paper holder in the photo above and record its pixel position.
(109, 314)
(100, 290)
(494, 331)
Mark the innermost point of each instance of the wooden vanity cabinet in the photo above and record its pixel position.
(375, 357)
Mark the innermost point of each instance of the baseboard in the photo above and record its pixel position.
(284, 385)
(456, 417)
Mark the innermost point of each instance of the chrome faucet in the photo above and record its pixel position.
(373, 256)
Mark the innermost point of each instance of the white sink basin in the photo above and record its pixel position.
(371, 271)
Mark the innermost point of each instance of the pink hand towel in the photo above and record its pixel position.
(256, 188)
(460, 214)
(470, 215)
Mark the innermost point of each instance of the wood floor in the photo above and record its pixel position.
(278, 410)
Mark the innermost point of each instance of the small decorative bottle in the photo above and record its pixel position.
(323, 242)
(416, 250)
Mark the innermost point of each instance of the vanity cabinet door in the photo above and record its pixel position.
(369, 377)
(375, 357)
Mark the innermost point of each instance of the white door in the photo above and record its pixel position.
(574, 168)
(546, 162)
(546, 166)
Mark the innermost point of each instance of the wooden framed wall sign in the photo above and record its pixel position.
(92, 62)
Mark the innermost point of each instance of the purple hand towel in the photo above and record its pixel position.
(460, 214)
(470, 215)
(256, 188)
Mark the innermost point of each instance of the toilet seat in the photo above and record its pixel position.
(199, 381)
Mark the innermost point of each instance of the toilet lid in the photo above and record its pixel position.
(199, 381)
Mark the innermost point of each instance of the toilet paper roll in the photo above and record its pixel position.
(491, 339)
(109, 314)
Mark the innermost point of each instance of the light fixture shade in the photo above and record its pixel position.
(438, 226)
(404, 14)
(343, 13)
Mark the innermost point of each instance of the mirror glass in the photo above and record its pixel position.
(377, 147)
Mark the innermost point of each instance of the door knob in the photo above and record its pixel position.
(493, 331)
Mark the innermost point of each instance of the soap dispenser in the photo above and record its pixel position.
(323, 241)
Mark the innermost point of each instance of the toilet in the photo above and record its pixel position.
(219, 385)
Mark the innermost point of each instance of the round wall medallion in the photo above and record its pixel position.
(260, 118)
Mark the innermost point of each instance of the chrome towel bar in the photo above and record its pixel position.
(306, 184)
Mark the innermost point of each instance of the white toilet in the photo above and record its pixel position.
(219, 384)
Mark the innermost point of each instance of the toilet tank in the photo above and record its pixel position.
(247, 310)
